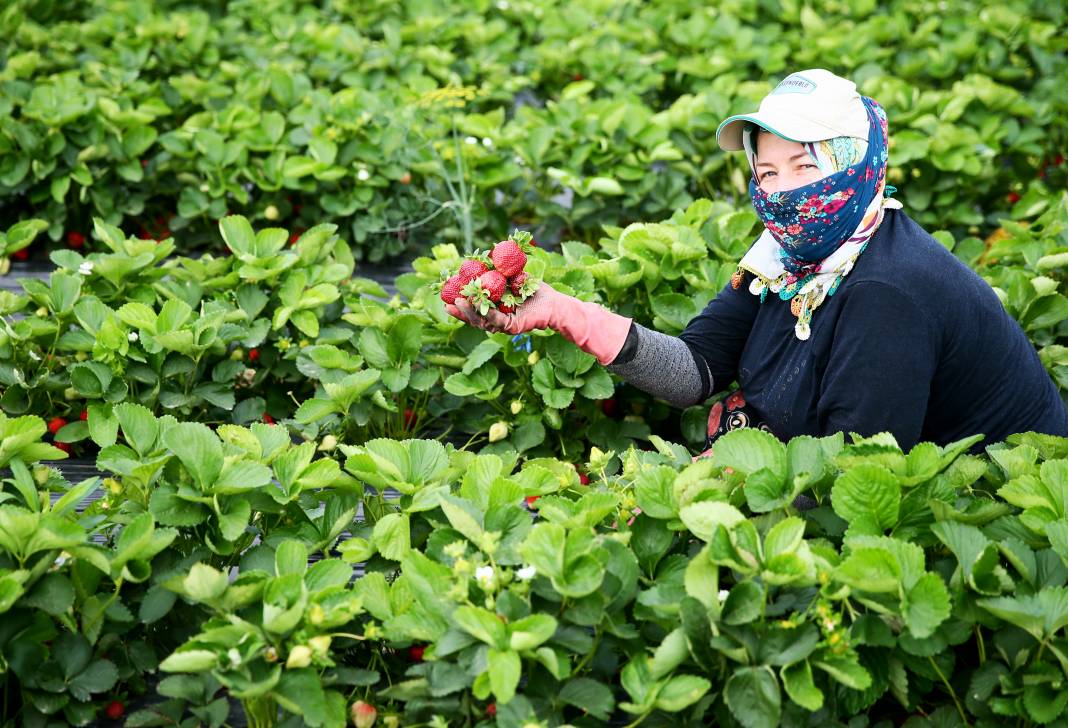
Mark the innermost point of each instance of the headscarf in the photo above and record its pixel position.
(814, 234)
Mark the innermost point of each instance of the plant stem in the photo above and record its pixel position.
(639, 719)
(952, 692)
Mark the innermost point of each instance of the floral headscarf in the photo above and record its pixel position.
(814, 234)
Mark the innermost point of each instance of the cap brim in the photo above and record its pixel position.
(793, 129)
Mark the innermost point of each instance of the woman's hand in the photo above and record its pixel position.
(537, 312)
(589, 326)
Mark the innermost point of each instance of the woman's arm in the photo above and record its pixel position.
(664, 366)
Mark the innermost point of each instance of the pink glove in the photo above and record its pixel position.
(589, 326)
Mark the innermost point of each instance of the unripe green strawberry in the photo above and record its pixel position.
(450, 290)
(470, 270)
(494, 283)
(508, 257)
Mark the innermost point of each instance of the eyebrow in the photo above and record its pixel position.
(791, 159)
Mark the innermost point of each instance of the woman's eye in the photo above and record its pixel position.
(764, 176)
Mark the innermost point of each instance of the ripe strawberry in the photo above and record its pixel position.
(531, 499)
(491, 710)
(1013, 198)
(253, 354)
(84, 415)
(56, 424)
(610, 407)
(409, 417)
(508, 257)
(296, 236)
(505, 308)
(114, 710)
(415, 653)
(75, 239)
(22, 254)
(584, 479)
(62, 446)
(450, 289)
(517, 281)
(470, 270)
(268, 419)
(494, 284)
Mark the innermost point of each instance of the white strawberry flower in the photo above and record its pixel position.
(487, 142)
(485, 576)
(363, 175)
(132, 336)
(470, 140)
(526, 573)
(723, 594)
(86, 267)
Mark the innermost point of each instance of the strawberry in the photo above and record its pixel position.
(508, 257)
(415, 653)
(75, 239)
(450, 289)
(84, 415)
(62, 446)
(268, 419)
(406, 178)
(363, 714)
(494, 283)
(56, 424)
(517, 281)
(505, 308)
(491, 710)
(470, 270)
(610, 407)
(1013, 198)
(584, 479)
(22, 254)
(531, 499)
(114, 710)
(409, 417)
(253, 354)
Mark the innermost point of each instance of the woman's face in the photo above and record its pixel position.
(783, 165)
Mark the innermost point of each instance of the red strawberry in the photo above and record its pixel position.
(56, 424)
(517, 281)
(144, 163)
(296, 236)
(610, 407)
(491, 710)
(494, 283)
(75, 239)
(415, 653)
(84, 415)
(508, 257)
(22, 254)
(505, 308)
(1013, 198)
(450, 290)
(62, 446)
(268, 419)
(470, 270)
(253, 354)
(531, 499)
(114, 710)
(584, 479)
(409, 417)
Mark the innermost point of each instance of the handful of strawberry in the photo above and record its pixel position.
(494, 280)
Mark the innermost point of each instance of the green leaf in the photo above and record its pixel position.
(749, 450)
(530, 632)
(926, 606)
(199, 450)
(868, 496)
(593, 697)
(301, 692)
(846, 670)
(189, 660)
(797, 679)
(504, 669)
(392, 536)
(482, 624)
(682, 691)
(204, 584)
(705, 517)
(752, 694)
(744, 603)
(99, 677)
(654, 491)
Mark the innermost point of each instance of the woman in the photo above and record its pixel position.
(844, 316)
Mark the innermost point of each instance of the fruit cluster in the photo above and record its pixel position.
(496, 279)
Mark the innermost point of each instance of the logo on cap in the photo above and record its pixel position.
(794, 84)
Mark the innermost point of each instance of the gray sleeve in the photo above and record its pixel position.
(664, 366)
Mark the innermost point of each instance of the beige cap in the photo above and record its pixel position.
(807, 106)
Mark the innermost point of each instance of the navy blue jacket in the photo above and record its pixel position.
(913, 342)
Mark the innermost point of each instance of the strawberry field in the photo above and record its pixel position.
(253, 473)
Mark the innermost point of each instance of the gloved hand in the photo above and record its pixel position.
(591, 327)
